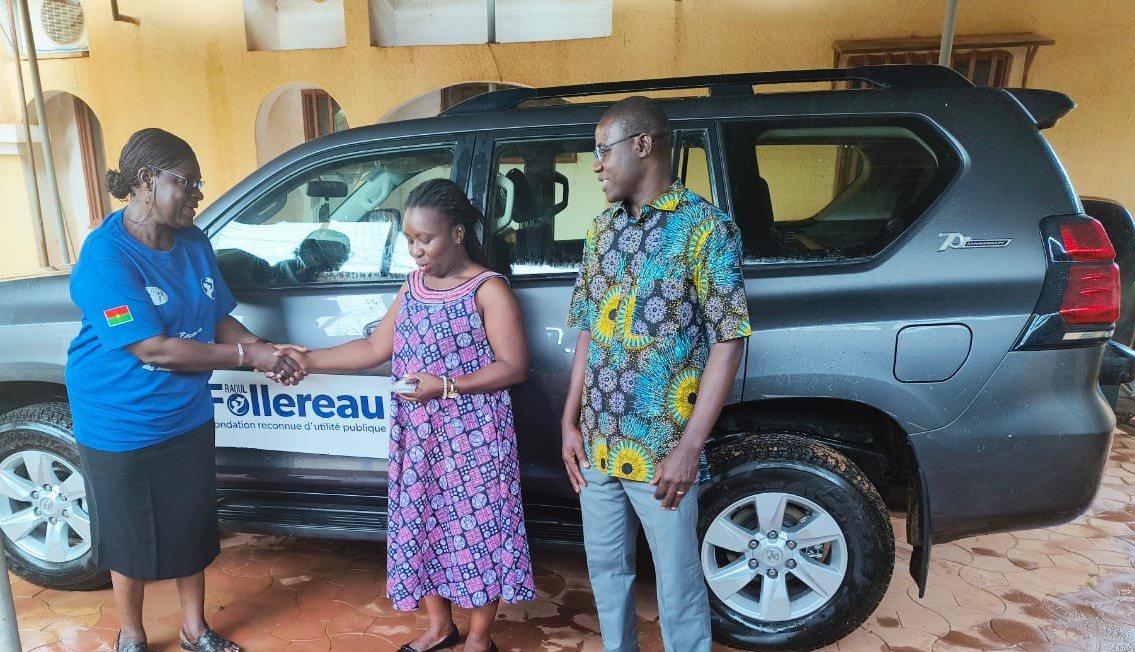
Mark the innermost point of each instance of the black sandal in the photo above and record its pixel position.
(208, 641)
(449, 641)
(133, 646)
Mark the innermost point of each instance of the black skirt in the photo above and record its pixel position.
(154, 509)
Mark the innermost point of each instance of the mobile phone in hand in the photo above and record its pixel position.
(404, 386)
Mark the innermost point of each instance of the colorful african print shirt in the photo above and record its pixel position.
(656, 293)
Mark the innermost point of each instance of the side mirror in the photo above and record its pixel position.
(326, 189)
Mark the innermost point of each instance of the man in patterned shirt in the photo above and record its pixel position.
(661, 308)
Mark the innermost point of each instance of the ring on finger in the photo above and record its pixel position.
(680, 493)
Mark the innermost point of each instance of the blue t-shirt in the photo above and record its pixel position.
(129, 292)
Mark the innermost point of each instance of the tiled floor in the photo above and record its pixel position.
(1065, 588)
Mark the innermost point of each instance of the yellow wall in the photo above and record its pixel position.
(186, 68)
(18, 245)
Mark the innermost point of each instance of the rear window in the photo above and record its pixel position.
(825, 193)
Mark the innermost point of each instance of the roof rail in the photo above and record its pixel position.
(885, 76)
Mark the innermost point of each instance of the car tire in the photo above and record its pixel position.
(43, 506)
(823, 570)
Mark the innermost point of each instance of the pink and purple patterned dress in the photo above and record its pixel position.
(456, 521)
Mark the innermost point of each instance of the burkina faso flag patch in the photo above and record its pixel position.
(118, 316)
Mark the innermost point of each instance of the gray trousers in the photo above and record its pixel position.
(612, 511)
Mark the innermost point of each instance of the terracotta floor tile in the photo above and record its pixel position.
(1070, 587)
(277, 615)
(289, 566)
(862, 640)
(1029, 560)
(91, 640)
(308, 646)
(915, 616)
(233, 615)
(240, 587)
(1078, 562)
(952, 552)
(22, 588)
(358, 643)
(69, 603)
(349, 621)
(901, 637)
(34, 638)
(1017, 632)
(300, 630)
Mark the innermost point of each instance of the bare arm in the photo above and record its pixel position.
(678, 471)
(363, 353)
(572, 452)
(179, 354)
(231, 331)
(505, 329)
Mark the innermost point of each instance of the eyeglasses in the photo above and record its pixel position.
(600, 151)
(190, 185)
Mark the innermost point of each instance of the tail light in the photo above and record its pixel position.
(1086, 241)
(1080, 300)
(1092, 295)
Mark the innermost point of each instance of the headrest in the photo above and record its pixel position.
(523, 205)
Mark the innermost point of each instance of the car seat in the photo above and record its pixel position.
(321, 251)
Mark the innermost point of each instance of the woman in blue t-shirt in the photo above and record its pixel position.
(155, 324)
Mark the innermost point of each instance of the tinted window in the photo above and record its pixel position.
(825, 193)
(543, 200)
(340, 222)
(691, 162)
(545, 196)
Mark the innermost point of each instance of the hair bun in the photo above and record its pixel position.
(117, 185)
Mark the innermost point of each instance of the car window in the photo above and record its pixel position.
(339, 222)
(545, 197)
(543, 200)
(825, 193)
(691, 163)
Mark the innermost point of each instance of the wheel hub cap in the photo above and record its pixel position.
(774, 556)
(43, 506)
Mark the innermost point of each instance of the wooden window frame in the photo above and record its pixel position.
(969, 51)
(316, 101)
(90, 153)
(965, 63)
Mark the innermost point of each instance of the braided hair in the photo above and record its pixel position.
(450, 201)
(153, 149)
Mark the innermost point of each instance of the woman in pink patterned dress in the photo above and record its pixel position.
(456, 533)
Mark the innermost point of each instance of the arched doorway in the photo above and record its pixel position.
(293, 114)
(80, 169)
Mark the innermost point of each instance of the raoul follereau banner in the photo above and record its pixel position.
(326, 414)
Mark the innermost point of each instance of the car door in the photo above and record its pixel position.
(315, 256)
(540, 197)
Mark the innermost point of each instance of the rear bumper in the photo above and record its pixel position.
(1028, 452)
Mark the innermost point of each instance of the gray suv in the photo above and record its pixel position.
(930, 306)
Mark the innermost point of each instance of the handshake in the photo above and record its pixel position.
(285, 364)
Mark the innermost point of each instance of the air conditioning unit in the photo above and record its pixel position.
(58, 27)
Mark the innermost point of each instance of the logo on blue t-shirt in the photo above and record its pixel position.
(207, 286)
(157, 295)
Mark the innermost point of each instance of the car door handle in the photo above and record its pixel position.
(369, 328)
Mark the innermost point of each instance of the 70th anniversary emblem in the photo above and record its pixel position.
(960, 241)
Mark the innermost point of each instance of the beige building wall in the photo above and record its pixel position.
(188, 68)
(18, 244)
